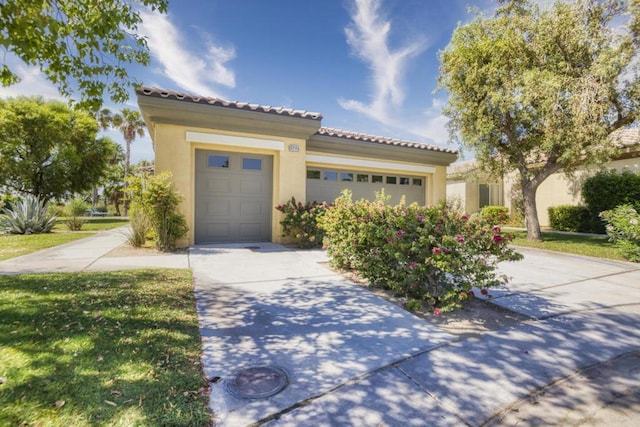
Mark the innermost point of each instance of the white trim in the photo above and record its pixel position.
(344, 161)
(235, 141)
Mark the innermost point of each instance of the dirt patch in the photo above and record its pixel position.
(126, 250)
(474, 318)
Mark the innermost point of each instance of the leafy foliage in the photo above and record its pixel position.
(74, 210)
(608, 189)
(496, 215)
(570, 218)
(432, 254)
(154, 195)
(623, 227)
(539, 89)
(300, 222)
(81, 46)
(49, 150)
(140, 227)
(28, 216)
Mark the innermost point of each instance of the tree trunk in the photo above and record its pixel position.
(126, 172)
(531, 212)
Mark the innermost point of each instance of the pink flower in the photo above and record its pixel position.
(437, 251)
(460, 238)
(496, 229)
(498, 238)
(400, 233)
(436, 311)
(413, 265)
(484, 291)
(464, 218)
(471, 294)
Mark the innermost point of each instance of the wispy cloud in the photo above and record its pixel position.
(431, 124)
(368, 37)
(190, 70)
(32, 82)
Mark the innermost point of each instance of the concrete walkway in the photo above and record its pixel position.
(89, 254)
(352, 358)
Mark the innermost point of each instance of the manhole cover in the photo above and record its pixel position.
(258, 382)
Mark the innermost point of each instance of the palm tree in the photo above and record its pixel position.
(130, 123)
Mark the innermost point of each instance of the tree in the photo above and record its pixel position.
(49, 150)
(130, 123)
(539, 90)
(80, 45)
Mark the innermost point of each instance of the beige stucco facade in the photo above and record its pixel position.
(463, 180)
(181, 125)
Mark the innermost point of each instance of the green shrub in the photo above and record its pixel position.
(623, 227)
(496, 215)
(7, 199)
(154, 195)
(28, 216)
(140, 227)
(570, 218)
(300, 222)
(432, 254)
(75, 211)
(608, 189)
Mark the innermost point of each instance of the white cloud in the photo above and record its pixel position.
(32, 82)
(432, 124)
(190, 70)
(368, 37)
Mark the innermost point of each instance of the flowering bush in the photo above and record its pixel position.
(300, 222)
(433, 254)
(496, 215)
(623, 227)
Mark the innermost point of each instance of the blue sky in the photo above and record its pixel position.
(367, 65)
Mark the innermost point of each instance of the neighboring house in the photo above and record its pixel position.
(234, 162)
(471, 188)
(465, 182)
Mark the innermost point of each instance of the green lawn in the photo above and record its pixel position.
(595, 246)
(86, 349)
(12, 245)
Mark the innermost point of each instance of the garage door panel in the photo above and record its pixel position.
(251, 209)
(233, 203)
(219, 184)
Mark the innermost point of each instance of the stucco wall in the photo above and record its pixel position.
(558, 189)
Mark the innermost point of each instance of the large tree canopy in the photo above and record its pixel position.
(80, 45)
(540, 89)
(48, 149)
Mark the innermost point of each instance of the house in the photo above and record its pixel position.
(234, 162)
(475, 189)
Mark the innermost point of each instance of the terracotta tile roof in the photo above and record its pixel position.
(382, 140)
(626, 137)
(181, 96)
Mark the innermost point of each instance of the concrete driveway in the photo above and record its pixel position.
(350, 358)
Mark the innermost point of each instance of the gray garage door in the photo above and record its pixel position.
(327, 184)
(233, 197)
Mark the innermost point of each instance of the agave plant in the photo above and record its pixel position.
(28, 216)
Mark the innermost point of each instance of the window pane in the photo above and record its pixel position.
(417, 181)
(362, 178)
(253, 164)
(218, 161)
(404, 181)
(345, 176)
(391, 180)
(313, 174)
(376, 178)
(483, 189)
(331, 176)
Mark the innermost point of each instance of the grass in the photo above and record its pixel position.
(13, 245)
(115, 349)
(595, 246)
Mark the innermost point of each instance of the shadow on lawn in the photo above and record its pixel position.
(116, 348)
